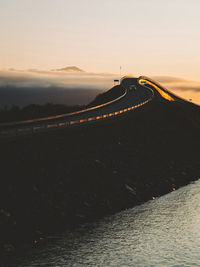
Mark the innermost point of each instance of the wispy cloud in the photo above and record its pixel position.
(168, 79)
(178, 83)
(23, 87)
(42, 78)
(184, 88)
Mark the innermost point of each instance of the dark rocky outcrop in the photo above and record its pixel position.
(55, 180)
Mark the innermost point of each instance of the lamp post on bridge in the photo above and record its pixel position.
(117, 81)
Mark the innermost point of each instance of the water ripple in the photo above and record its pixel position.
(162, 232)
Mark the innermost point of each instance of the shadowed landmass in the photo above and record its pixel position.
(57, 180)
(34, 111)
(65, 96)
(107, 96)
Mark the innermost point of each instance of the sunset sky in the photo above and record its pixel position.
(146, 37)
(155, 37)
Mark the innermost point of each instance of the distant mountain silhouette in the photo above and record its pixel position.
(70, 69)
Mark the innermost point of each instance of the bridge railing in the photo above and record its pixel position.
(28, 127)
(55, 125)
(46, 120)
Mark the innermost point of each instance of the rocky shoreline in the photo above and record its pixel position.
(58, 180)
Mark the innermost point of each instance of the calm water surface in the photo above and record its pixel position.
(162, 232)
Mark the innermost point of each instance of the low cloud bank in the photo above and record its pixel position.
(40, 78)
(178, 83)
(189, 90)
(39, 87)
(24, 87)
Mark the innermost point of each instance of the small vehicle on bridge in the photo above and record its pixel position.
(132, 87)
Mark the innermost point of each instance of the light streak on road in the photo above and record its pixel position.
(160, 91)
(137, 94)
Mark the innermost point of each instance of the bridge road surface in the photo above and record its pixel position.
(135, 94)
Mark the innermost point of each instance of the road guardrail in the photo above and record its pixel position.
(28, 127)
(53, 126)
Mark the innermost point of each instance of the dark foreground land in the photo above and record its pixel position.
(50, 182)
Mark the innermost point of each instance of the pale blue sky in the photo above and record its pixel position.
(151, 37)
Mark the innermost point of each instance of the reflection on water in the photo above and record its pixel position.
(162, 232)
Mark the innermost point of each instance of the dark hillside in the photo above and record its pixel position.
(107, 96)
(63, 178)
(35, 111)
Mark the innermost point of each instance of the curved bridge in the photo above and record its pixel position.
(138, 92)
